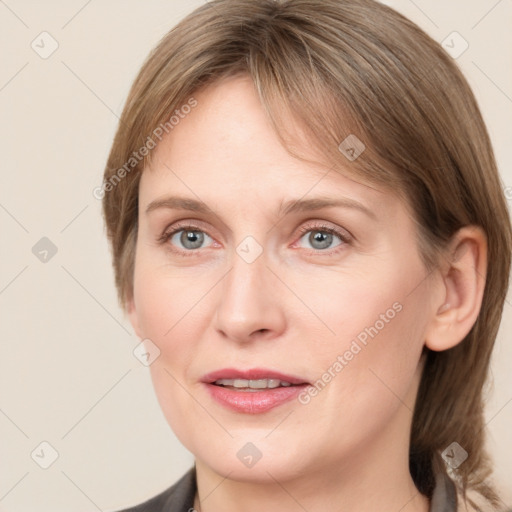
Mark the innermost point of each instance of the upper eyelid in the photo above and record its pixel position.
(319, 227)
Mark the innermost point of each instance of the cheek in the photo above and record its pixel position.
(363, 305)
(368, 375)
(169, 312)
(167, 303)
(378, 327)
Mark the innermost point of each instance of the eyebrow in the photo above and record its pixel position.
(178, 203)
(318, 203)
(290, 206)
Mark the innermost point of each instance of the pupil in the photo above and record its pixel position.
(191, 239)
(321, 237)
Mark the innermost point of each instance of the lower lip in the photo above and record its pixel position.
(254, 402)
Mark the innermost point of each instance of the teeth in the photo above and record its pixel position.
(252, 384)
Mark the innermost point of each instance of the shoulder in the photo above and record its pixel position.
(177, 498)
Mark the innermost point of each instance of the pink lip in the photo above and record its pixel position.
(252, 374)
(252, 402)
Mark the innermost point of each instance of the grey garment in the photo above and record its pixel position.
(444, 498)
(177, 498)
(180, 497)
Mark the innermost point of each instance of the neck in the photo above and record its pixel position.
(360, 485)
(312, 493)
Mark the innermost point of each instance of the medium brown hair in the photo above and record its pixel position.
(342, 67)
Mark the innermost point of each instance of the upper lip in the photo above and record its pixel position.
(251, 374)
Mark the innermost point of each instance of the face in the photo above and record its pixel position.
(267, 286)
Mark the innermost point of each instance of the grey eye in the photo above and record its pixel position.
(190, 239)
(319, 239)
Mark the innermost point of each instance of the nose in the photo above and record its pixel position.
(249, 306)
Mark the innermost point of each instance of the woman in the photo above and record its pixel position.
(303, 202)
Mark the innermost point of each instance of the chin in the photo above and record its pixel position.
(250, 458)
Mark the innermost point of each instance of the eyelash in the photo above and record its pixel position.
(345, 238)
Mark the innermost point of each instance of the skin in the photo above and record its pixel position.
(294, 309)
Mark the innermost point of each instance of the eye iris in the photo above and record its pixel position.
(194, 237)
(323, 237)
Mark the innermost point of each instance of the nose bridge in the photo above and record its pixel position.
(245, 286)
(247, 303)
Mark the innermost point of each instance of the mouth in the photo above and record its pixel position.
(253, 384)
(252, 391)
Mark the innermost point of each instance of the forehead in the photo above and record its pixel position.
(226, 150)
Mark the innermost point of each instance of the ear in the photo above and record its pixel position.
(462, 276)
(132, 315)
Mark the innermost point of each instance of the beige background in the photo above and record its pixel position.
(67, 372)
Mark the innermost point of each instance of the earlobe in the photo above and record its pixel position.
(462, 277)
